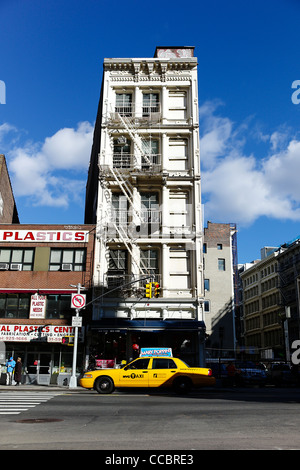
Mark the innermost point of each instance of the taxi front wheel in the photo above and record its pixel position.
(104, 385)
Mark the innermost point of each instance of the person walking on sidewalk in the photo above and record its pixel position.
(18, 371)
(10, 365)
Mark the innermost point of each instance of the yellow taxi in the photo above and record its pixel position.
(152, 372)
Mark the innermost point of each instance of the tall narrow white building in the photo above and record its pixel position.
(144, 195)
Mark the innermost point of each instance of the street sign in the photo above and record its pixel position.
(78, 300)
(77, 321)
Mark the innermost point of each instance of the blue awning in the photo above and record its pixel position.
(147, 325)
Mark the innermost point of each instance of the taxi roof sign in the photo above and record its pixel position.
(167, 352)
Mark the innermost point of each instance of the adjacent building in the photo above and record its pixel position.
(8, 209)
(41, 266)
(262, 308)
(220, 285)
(144, 195)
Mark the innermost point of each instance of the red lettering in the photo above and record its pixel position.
(79, 236)
(7, 235)
(17, 237)
(29, 235)
(51, 235)
(41, 236)
(67, 236)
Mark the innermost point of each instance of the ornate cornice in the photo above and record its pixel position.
(150, 69)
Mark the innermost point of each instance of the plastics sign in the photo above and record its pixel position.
(167, 352)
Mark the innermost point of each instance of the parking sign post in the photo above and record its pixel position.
(76, 300)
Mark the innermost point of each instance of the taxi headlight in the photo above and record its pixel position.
(88, 376)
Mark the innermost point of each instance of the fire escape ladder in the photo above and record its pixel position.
(132, 131)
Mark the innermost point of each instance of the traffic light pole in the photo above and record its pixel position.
(73, 379)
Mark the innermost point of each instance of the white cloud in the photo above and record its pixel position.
(241, 188)
(45, 173)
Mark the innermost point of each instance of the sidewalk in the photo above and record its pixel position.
(40, 388)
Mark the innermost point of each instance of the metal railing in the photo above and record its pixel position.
(126, 161)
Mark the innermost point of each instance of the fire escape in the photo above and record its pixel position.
(125, 128)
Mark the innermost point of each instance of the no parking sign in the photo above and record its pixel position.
(78, 300)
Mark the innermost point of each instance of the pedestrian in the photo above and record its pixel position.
(231, 373)
(10, 365)
(18, 371)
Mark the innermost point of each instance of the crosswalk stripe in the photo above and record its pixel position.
(16, 402)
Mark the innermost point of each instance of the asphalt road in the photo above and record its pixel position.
(247, 419)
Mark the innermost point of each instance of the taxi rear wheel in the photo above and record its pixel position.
(182, 385)
(104, 385)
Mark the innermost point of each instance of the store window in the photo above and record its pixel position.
(59, 306)
(14, 305)
(17, 259)
(67, 259)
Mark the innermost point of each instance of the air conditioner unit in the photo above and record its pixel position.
(4, 266)
(15, 267)
(67, 267)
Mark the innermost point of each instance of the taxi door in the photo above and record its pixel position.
(135, 374)
(162, 371)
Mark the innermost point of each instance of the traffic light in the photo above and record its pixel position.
(156, 289)
(149, 290)
(68, 340)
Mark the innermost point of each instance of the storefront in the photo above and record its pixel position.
(44, 358)
(121, 339)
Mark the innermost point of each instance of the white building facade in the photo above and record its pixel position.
(144, 195)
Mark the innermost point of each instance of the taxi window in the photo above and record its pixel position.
(163, 363)
(138, 364)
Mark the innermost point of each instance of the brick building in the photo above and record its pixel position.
(8, 210)
(40, 268)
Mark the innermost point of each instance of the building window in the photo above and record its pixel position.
(150, 103)
(149, 261)
(121, 155)
(150, 155)
(59, 306)
(219, 246)
(206, 306)
(150, 213)
(221, 264)
(67, 259)
(124, 104)
(119, 204)
(204, 248)
(17, 259)
(206, 284)
(14, 305)
(118, 261)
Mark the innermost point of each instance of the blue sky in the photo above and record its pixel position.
(51, 59)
